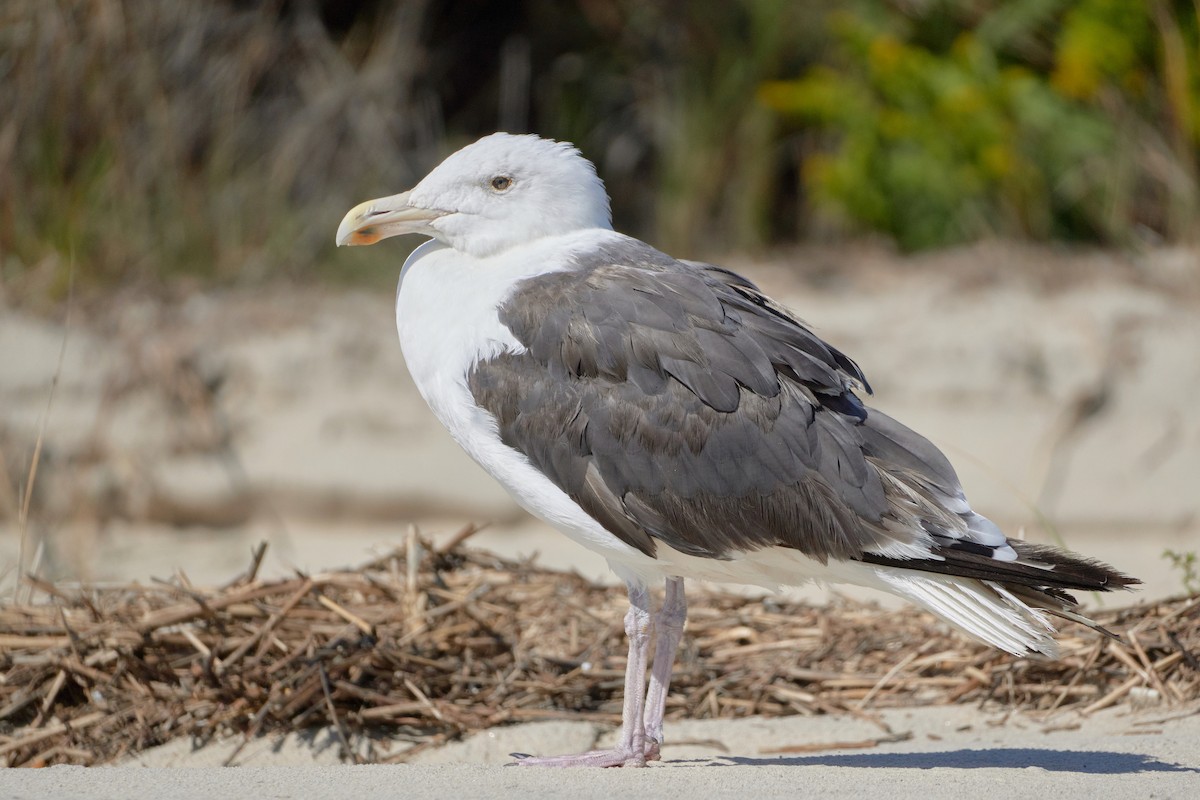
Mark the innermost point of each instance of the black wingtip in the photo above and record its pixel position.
(1071, 571)
(1048, 570)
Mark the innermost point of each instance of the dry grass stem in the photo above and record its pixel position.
(472, 641)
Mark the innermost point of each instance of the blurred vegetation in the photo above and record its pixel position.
(1036, 118)
(223, 139)
(1187, 563)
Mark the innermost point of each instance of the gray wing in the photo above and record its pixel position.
(676, 403)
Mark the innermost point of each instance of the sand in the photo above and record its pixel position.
(953, 752)
(183, 433)
(1060, 385)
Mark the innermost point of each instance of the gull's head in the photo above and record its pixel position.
(499, 192)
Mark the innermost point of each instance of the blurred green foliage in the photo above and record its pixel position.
(223, 139)
(945, 122)
(1187, 563)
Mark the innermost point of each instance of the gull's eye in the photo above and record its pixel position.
(501, 183)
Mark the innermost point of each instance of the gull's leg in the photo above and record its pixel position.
(631, 749)
(668, 628)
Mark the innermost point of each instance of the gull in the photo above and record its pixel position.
(673, 418)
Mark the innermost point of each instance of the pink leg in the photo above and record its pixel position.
(631, 749)
(668, 623)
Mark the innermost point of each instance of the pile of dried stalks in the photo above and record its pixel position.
(430, 644)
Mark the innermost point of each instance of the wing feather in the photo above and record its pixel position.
(676, 403)
(699, 414)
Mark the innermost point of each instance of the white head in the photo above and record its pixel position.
(501, 191)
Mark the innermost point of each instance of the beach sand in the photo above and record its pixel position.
(1061, 385)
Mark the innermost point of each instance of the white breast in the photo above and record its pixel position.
(447, 321)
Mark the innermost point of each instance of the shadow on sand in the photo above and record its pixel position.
(1092, 762)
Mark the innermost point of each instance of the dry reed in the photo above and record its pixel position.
(425, 645)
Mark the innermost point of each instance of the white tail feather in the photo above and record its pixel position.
(981, 609)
